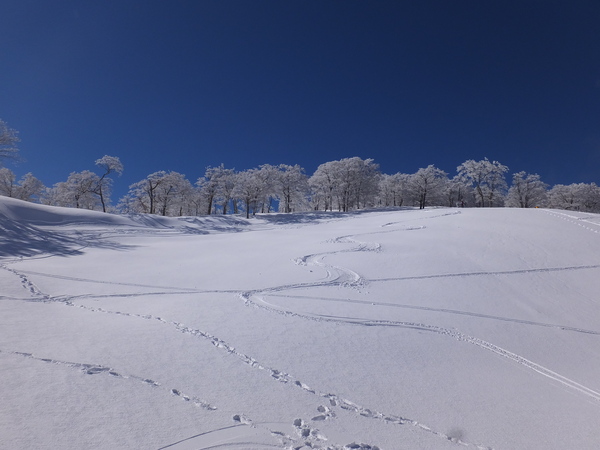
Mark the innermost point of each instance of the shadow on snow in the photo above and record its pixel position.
(20, 239)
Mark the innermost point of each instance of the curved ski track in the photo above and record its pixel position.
(341, 276)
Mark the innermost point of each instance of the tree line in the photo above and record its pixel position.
(344, 185)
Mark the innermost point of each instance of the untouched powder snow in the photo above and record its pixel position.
(403, 329)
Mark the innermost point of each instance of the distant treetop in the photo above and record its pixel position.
(8, 142)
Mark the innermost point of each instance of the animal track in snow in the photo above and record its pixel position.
(307, 433)
(95, 369)
(240, 418)
(583, 222)
(334, 400)
(325, 413)
(27, 284)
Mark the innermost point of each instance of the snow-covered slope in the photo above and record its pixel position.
(406, 329)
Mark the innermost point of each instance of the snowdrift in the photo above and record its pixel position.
(399, 329)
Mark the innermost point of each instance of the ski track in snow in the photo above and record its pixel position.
(255, 300)
(346, 278)
(306, 434)
(442, 310)
(336, 276)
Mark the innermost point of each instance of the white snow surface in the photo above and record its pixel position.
(384, 329)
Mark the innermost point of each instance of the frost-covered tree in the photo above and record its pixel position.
(174, 195)
(77, 192)
(291, 188)
(108, 164)
(249, 189)
(195, 203)
(81, 190)
(267, 177)
(163, 193)
(142, 196)
(227, 183)
(590, 197)
(526, 191)
(257, 189)
(458, 193)
(564, 197)
(29, 188)
(366, 185)
(345, 184)
(8, 182)
(393, 189)
(8, 142)
(216, 188)
(128, 204)
(81, 187)
(575, 197)
(487, 178)
(324, 187)
(209, 187)
(427, 185)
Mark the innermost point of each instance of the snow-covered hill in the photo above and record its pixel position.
(406, 329)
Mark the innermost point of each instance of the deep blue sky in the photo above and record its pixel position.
(180, 85)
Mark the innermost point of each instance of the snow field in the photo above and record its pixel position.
(431, 329)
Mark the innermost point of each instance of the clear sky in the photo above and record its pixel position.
(183, 84)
